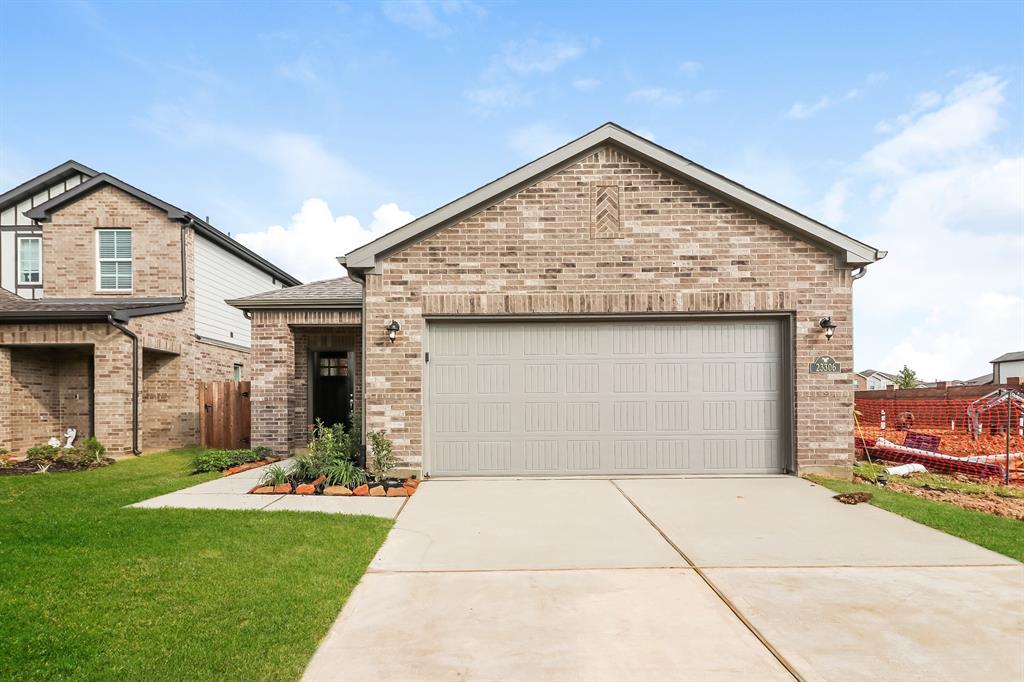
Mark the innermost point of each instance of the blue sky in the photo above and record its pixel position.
(305, 129)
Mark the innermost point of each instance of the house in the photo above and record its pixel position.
(874, 380)
(1007, 366)
(611, 307)
(112, 308)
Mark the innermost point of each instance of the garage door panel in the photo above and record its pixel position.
(555, 398)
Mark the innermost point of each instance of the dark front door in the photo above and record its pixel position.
(332, 387)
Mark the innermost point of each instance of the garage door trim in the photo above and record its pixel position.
(787, 393)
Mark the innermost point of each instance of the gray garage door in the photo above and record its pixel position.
(585, 398)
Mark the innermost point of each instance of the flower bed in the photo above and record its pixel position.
(50, 458)
(330, 468)
(390, 487)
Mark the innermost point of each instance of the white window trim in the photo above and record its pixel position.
(20, 281)
(131, 261)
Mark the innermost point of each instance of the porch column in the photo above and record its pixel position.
(112, 393)
(6, 437)
(273, 374)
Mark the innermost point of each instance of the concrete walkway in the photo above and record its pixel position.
(672, 579)
(231, 492)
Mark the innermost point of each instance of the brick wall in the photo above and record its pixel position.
(672, 248)
(281, 340)
(69, 246)
(172, 359)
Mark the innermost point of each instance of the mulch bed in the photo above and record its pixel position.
(24, 468)
(391, 487)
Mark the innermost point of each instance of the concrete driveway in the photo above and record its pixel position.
(672, 579)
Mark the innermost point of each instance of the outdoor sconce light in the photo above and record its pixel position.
(393, 330)
(829, 326)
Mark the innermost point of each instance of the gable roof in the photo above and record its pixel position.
(853, 252)
(1010, 357)
(44, 180)
(43, 213)
(343, 292)
(870, 372)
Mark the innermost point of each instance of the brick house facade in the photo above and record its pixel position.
(624, 242)
(66, 354)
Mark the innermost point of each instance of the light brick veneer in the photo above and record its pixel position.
(172, 358)
(677, 250)
(281, 341)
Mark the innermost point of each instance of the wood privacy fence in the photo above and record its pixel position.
(224, 418)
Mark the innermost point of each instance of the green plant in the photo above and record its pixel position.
(93, 450)
(382, 457)
(274, 475)
(43, 456)
(343, 472)
(218, 460)
(907, 378)
(262, 451)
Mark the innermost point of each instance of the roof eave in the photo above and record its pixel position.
(31, 187)
(346, 304)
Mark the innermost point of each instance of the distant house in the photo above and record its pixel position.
(873, 380)
(1007, 366)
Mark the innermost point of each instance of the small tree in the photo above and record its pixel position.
(382, 459)
(907, 378)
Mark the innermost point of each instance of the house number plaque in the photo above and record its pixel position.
(825, 364)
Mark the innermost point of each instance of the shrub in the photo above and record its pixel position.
(382, 458)
(274, 475)
(43, 456)
(218, 460)
(310, 466)
(93, 450)
(343, 472)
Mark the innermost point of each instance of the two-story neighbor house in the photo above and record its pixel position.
(112, 309)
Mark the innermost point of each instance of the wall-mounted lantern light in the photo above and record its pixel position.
(393, 329)
(829, 326)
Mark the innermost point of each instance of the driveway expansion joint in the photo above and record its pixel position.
(714, 588)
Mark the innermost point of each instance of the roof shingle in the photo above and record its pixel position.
(342, 292)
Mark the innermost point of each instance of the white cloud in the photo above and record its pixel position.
(968, 118)
(833, 206)
(669, 97)
(301, 70)
(691, 68)
(533, 56)
(951, 214)
(586, 84)
(498, 97)
(923, 101)
(309, 245)
(536, 140)
(802, 110)
(302, 162)
(432, 19)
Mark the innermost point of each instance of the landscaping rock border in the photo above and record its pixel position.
(389, 488)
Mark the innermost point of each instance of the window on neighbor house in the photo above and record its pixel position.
(30, 261)
(237, 375)
(114, 260)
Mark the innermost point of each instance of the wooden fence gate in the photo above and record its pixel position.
(224, 418)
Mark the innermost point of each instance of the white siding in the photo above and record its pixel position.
(1009, 369)
(7, 276)
(221, 275)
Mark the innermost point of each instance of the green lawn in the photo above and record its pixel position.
(998, 533)
(90, 590)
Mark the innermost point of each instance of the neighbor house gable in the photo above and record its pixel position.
(852, 252)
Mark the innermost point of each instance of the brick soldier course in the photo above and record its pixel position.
(609, 225)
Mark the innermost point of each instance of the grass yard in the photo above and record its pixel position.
(90, 590)
(998, 533)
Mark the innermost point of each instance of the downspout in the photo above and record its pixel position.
(116, 324)
(184, 266)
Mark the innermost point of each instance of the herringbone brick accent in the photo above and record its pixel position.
(604, 210)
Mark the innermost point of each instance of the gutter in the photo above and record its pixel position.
(116, 323)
